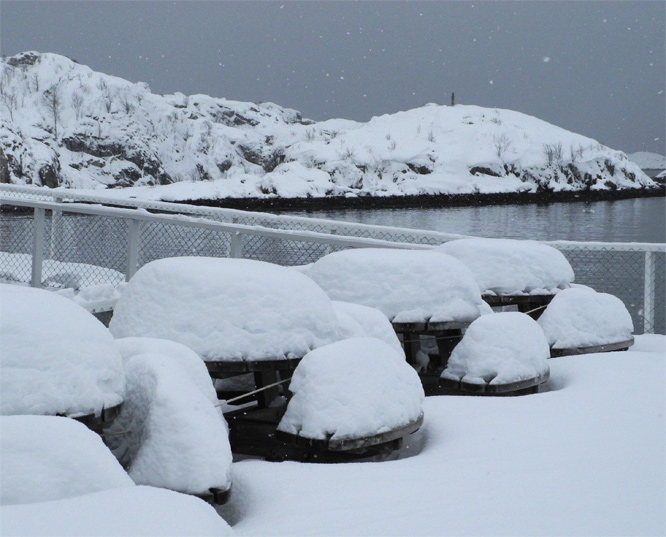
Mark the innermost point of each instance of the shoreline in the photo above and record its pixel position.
(424, 200)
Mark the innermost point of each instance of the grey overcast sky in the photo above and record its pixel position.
(593, 67)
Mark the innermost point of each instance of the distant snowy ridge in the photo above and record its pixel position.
(648, 161)
(62, 124)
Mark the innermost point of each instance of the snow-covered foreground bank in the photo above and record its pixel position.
(584, 458)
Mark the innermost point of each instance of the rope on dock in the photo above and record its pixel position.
(233, 399)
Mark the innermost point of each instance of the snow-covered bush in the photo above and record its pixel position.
(508, 266)
(498, 349)
(405, 285)
(226, 309)
(581, 317)
(352, 388)
(56, 357)
(359, 321)
(46, 458)
(171, 434)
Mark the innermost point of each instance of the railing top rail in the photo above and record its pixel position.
(189, 221)
(229, 214)
(107, 197)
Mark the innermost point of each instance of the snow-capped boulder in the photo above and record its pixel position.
(581, 317)
(350, 389)
(226, 309)
(405, 285)
(509, 267)
(499, 349)
(46, 458)
(56, 357)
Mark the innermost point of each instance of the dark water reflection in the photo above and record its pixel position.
(632, 220)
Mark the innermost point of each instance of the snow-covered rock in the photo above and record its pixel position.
(226, 309)
(56, 357)
(170, 433)
(498, 349)
(46, 458)
(145, 511)
(64, 124)
(352, 388)
(507, 266)
(362, 321)
(405, 285)
(581, 317)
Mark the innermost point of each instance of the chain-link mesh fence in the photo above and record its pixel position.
(85, 250)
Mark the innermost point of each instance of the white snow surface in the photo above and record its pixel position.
(56, 357)
(46, 458)
(226, 309)
(144, 511)
(492, 466)
(581, 317)
(352, 388)
(178, 439)
(363, 321)
(499, 348)
(509, 266)
(648, 161)
(405, 285)
(111, 132)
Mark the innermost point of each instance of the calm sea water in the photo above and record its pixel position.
(632, 220)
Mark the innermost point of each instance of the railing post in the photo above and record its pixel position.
(132, 248)
(56, 231)
(649, 290)
(236, 245)
(37, 247)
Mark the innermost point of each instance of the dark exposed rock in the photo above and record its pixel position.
(224, 166)
(4, 168)
(49, 174)
(421, 169)
(476, 170)
(23, 59)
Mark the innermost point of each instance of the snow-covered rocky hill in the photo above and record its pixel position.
(63, 124)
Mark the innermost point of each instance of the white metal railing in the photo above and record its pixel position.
(239, 225)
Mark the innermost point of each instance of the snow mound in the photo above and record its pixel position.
(226, 309)
(361, 321)
(581, 317)
(46, 458)
(508, 266)
(191, 363)
(177, 439)
(498, 349)
(145, 511)
(353, 388)
(56, 357)
(405, 285)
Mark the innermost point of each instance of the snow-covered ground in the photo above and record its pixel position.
(65, 124)
(584, 457)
